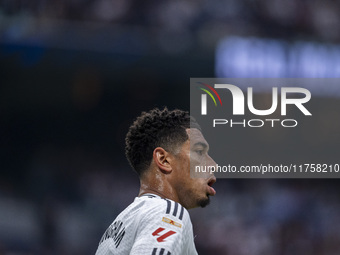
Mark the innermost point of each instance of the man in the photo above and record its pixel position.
(159, 145)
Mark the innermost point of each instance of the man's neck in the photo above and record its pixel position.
(160, 188)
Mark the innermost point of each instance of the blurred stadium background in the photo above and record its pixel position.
(73, 76)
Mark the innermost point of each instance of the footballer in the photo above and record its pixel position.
(159, 145)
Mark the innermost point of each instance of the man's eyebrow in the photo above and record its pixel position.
(204, 145)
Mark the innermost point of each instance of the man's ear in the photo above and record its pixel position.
(162, 159)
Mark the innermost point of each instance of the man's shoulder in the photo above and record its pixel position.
(150, 205)
(150, 223)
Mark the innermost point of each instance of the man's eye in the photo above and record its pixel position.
(199, 152)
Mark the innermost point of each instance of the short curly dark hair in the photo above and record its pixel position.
(156, 128)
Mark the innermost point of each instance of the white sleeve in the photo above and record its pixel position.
(163, 229)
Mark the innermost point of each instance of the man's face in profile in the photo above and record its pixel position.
(194, 192)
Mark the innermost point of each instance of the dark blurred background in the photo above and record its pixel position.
(73, 76)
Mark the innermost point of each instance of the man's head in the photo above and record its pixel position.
(158, 144)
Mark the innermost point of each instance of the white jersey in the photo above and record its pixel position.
(150, 225)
